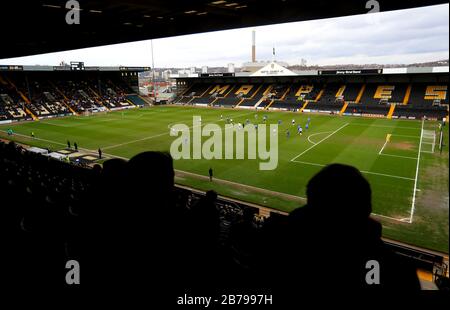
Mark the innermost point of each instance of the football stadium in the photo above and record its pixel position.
(85, 159)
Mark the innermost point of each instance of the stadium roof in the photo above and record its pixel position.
(275, 70)
(72, 67)
(39, 26)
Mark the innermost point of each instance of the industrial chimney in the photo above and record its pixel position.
(254, 47)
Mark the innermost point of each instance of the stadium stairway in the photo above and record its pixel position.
(64, 97)
(341, 91)
(186, 92)
(361, 93)
(97, 99)
(202, 95)
(22, 95)
(269, 105)
(260, 102)
(100, 103)
(24, 98)
(268, 91)
(257, 91)
(214, 101)
(34, 117)
(264, 96)
(210, 88)
(320, 95)
(117, 87)
(344, 108)
(240, 102)
(391, 111)
(231, 90)
(285, 94)
(94, 92)
(131, 103)
(407, 95)
(304, 106)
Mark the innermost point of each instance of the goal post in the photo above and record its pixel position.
(429, 137)
(441, 138)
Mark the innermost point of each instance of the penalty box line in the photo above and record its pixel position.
(382, 149)
(364, 172)
(388, 140)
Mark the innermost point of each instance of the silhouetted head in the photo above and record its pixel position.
(249, 214)
(97, 169)
(211, 196)
(114, 168)
(340, 191)
(152, 171)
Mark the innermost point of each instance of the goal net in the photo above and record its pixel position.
(429, 137)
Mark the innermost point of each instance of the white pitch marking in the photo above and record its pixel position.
(406, 136)
(308, 164)
(382, 149)
(379, 126)
(38, 139)
(413, 207)
(387, 175)
(398, 156)
(364, 172)
(327, 137)
(316, 134)
(135, 141)
(56, 125)
(404, 220)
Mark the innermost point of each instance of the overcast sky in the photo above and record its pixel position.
(409, 36)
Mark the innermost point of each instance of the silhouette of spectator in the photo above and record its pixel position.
(75, 145)
(152, 234)
(114, 170)
(211, 174)
(203, 229)
(206, 219)
(244, 243)
(153, 173)
(331, 240)
(104, 224)
(97, 170)
(134, 227)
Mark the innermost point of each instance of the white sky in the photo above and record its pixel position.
(409, 36)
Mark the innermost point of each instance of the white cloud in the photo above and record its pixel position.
(408, 36)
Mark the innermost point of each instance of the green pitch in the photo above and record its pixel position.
(409, 181)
